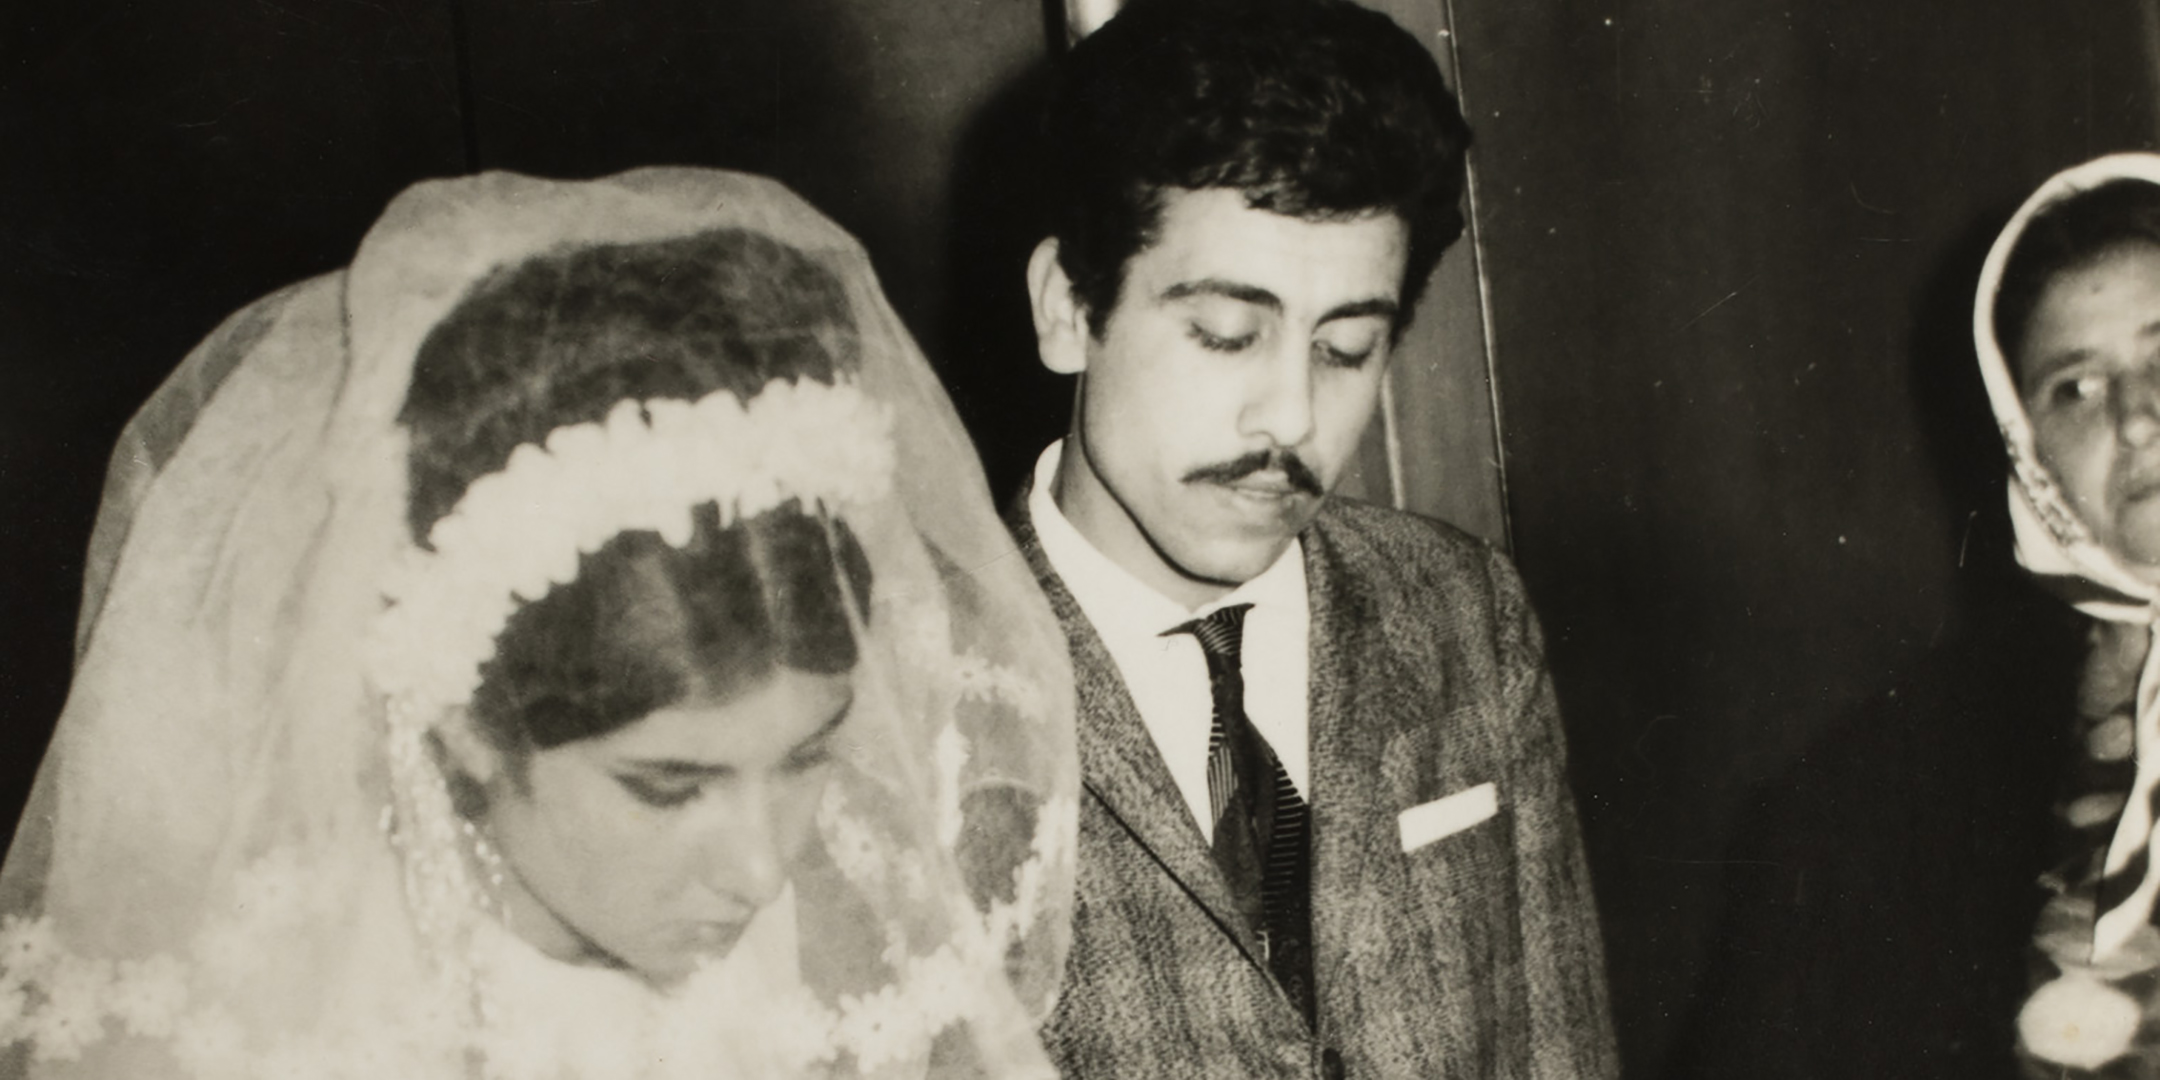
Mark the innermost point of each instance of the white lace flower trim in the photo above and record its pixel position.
(862, 856)
(60, 1003)
(950, 756)
(2044, 496)
(519, 532)
(985, 681)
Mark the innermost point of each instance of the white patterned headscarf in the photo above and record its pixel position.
(2058, 547)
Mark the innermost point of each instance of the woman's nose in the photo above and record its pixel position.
(2137, 407)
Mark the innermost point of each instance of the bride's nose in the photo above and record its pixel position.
(740, 852)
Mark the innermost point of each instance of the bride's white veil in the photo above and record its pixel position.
(221, 872)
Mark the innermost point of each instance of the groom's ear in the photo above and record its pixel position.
(1061, 326)
(471, 752)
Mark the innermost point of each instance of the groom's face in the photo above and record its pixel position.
(1229, 388)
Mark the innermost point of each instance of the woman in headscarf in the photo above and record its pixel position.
(574, 641)
(2067, 324)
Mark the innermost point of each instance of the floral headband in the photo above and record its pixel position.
(518, 533)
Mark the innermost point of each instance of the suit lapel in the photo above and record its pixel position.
(1360, 702)
(1349, 726)
(1120, 765)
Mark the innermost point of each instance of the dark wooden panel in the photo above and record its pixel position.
(1433, 448)
(166, 162)
(907, 122)
(1753, 484)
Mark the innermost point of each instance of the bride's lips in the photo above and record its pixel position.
(714, 937)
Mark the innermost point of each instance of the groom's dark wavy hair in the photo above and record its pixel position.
(1321, 110)
(560, 339)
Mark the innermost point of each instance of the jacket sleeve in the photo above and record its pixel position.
(1571, 1036)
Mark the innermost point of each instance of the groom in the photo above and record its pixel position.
(1326, 830)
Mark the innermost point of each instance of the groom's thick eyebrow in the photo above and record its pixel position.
(1382, 306)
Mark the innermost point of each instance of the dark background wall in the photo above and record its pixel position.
(1756, 494)
(1726, 250)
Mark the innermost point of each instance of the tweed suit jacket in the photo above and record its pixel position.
(1475, 955)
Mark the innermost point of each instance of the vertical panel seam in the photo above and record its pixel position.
(461, 52)
(1391, 444)
(1476, 237)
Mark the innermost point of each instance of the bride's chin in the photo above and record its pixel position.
(700, 947)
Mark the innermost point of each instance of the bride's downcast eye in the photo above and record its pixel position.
(661, 794)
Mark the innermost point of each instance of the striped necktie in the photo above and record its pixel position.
(1262, 826)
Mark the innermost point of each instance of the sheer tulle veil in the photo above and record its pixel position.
(229, 868)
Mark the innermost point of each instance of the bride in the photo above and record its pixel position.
(573, 641)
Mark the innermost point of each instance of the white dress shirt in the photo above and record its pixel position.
(1167, 676)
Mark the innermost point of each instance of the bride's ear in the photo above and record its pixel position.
(468, 750)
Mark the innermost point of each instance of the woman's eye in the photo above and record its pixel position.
(659, 793)
(2075, 390)
(1215, 342)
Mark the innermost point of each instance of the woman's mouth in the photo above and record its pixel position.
(2140, 484)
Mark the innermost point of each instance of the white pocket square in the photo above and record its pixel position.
(1442, 817)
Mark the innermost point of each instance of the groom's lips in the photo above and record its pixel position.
(1265, 485)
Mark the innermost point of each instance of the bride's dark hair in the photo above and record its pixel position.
(562, 338)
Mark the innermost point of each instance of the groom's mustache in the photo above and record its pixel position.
(1294, 471)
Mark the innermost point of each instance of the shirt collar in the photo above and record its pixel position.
(1119, 603)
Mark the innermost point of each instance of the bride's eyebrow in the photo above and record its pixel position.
(825, 731)
(2045, 366)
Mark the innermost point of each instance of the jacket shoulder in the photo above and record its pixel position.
(1399, 543)
(1415, 570)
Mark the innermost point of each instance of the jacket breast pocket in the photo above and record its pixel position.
(1451, 827)
(1431, 822)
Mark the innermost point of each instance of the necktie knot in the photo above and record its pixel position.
(1220, 631)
